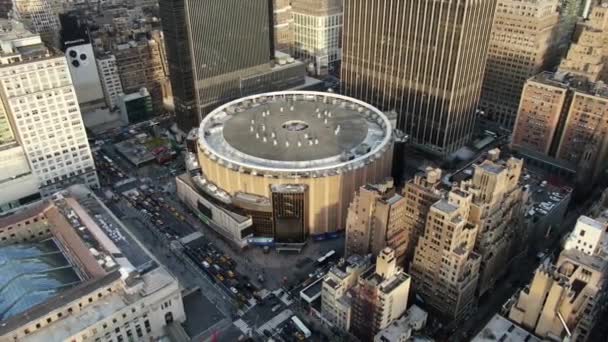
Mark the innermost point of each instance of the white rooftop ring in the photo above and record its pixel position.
(301, 133)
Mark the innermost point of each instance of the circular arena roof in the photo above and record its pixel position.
(295, 132)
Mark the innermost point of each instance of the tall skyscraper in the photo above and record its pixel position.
(283, 25)
(317, 26)
(230, 40)
(5, 8)
(39, 17)
(497, 209)
(143, 64)
(39, 103)
(562, 119)
(588, 55)
(231, 46)
(375, 220)
(523, 43)
(570, 13)
(420, 194)
(469, 236)
(423, 58)
(445, 269)
(110, 79)
(177, 44)
(379, 297)
(335, 307)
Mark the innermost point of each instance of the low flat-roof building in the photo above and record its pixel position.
(113, 289)
(501, 329)
(588, 235)
(402, 329)
(136, 106)
(211, 205)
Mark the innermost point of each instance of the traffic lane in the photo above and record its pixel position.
(168, 217)
(165, 229)
(161, 215)
(214, 276)
(222, 269)
(184, 271)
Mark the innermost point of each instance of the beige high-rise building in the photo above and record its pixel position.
(380, 296)
(542, 103)
(39, 17)
(425, 59)
(562, 120)
(589, 235)
(497, 209)
(375, 220)
(362, 298)
(318, 32)
(468, 235)
(143, 64)
(584, 140)
(420, 194)
(588, 55)
(522, 44)
(445, 269)
(565, 299)
(283, 25)
(336, 303)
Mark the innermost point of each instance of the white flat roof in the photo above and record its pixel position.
(74, 323)
(98, 311)
(501, 329)
(295, 132)
(591, 222)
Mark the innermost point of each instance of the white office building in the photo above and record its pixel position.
(39, 17)
(587, 235)
(18, 185)
(317, 29)
(39, 100)
(110, 80)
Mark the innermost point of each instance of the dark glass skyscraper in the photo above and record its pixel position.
(231, 40)
(175, 31)
(214, 50)
(423, 58)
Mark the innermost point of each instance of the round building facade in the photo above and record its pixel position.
(302, 154)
